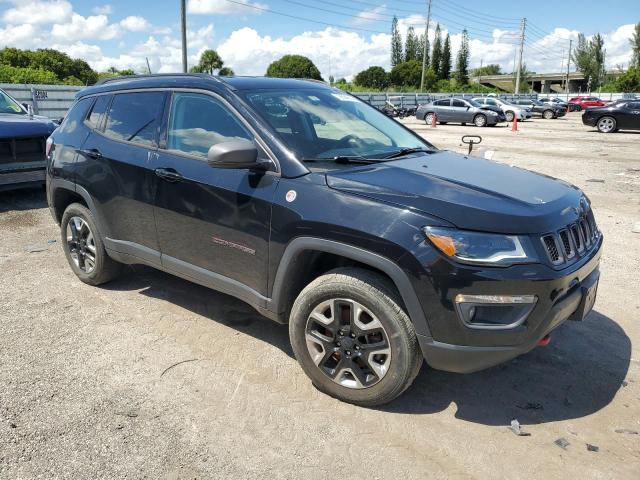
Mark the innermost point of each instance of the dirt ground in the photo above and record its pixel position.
(154, 377)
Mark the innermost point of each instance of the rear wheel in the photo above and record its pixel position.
(607, 125)
(353, 339)
(548, 114)
(84, 248)
(428, 119)
(510, 116)
(480, 120)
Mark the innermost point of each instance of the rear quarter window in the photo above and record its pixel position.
(75, 116)
(98, 110)
(134, 117)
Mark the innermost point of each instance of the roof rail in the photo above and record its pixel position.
(154, 75)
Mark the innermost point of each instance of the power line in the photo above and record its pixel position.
(469, 11)
(478, 20)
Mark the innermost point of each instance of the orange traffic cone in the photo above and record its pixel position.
(514, 124)
(433, 120)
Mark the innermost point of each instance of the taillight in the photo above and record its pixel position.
(49, 145)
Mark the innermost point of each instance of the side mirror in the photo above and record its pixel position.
(241, 154)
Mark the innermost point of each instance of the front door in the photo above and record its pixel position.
(212, 223)
(629, 116)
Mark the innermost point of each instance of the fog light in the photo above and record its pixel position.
(494, 312)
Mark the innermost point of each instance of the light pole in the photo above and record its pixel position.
(183, 23)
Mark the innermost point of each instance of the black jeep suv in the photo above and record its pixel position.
(318, 210)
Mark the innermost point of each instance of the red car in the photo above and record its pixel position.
(582, 103)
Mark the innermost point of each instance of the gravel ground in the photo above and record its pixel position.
(151, 376)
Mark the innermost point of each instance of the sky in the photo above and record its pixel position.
(341, 37)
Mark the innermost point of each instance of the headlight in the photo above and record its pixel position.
(481, 248)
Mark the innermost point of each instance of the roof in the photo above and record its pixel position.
(197, 80)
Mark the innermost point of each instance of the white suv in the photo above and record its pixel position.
(510, 110)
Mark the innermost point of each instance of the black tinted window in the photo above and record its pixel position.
(99, 108)
(134, 117)
(633, 105)
(459, 103)
(76, 115)
(199, 121)
(442, 103)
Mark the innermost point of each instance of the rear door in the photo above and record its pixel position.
(442, 109)
(213, 224)
(116, 166)
(460, 111)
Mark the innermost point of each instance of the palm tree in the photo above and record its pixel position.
(210, 61)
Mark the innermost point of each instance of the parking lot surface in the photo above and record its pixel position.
(154, 377)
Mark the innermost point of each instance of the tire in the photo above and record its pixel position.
(480, 120)
(84, 248)
(332, 351)
(548, 114)
(442, 123)
(510, 116)
(428, 118)
(578, 108)
(607, 124)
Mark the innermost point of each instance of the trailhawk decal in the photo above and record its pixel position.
(237, 246)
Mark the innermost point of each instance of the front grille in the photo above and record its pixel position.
(22, 150)
(572, 241)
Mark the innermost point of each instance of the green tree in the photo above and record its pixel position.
(9, 74)
(60, 64)
(411, 46)
(226, 72)
(430, 80)
(210, 61)
(524, 79)
(396, 44)
(635, 46)
(444, 72)
(462, 61)
(15, 57)
(421, 45)
(436, 55)
(629, 81)
(491, 69)
(589, 58)
(293, 66)
(406, 74)
(372, 77)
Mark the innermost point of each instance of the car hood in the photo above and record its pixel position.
(14, 125)
(469, 192)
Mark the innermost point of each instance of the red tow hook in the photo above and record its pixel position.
(544, 341)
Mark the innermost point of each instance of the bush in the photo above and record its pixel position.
(406, 74)
(9, 74)
(629, 81)
(373, 77)
(293, 66)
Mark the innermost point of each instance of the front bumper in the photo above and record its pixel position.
(455, 347)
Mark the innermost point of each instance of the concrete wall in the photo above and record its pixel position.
(52, 101)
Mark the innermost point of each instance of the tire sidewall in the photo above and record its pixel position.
(510, 116)
(547, 114)
(475, 120)
(615, 125)
(77, 210)
(428, 118)
(379, 306)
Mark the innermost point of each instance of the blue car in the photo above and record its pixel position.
(23, 139)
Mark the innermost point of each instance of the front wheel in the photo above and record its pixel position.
(510, 116)
(353, 339)
(84, 248)
(480, 120)
(547, 114)
(607, 125)
(428, 119)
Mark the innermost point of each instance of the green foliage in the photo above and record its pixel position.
(421, 45)
(61, 65)
(406, 74)
(411, 46)
(9, 74)
(524, 79)
(293, 66)
(210, 61)
(635, 46)
(430, 80)
(372, 77)
(462, 61)
(396, 44)
(491, 69)
(589, 58)
(226, 72)
(114, 72)
(629, 81)
(436, 55)
(444, 72)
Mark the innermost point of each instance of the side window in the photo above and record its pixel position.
(459, 103)
(98, 110)
(200, 121)
(491, 101)
(442, 103)
(633, 105)
(134, 117)
(76, 115)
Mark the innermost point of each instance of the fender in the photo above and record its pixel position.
(374, 260)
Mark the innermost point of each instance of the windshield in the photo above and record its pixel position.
(474, 103)
(321, 124)
(8, 104)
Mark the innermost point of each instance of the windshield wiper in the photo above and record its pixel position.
(406, 151)
(344, 159)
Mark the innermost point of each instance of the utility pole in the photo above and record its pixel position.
(183, 23)
(426, 43)
(480, 76)
(523, 26)
(568, 65)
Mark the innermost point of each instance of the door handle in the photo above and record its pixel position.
(168, 174)
(91, 153)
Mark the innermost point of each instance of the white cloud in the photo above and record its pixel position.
(37, 12)
(21, 36)
(94, 27)
(106, 9)
(617, 45)
(222, 7)
(368, 16)
(135, 24)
